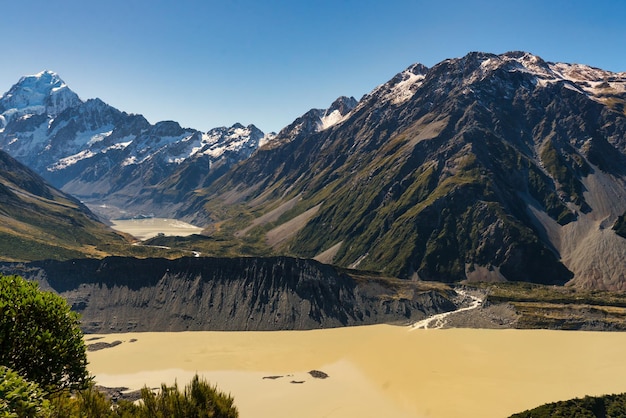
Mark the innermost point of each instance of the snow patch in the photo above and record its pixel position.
(28, 143)
(118, 146)
(405, 89)
(267, 138)
(597, 84)
(98, 137)
(64, 163)
(331, 119)
(221, 140)
(594, 81)
(129, 161)
(394, 91)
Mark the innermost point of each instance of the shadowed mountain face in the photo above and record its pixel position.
(487, 167)
(38, 221)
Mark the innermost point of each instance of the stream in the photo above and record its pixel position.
(438, 321)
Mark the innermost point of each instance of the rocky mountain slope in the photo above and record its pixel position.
(118, 294)
(38, 221)
(485, 167)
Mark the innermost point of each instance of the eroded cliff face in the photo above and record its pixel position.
(118, 294)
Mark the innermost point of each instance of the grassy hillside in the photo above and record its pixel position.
(39, 222)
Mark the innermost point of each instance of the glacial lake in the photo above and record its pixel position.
(150, 227)
(373, 371)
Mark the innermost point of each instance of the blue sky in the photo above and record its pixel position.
(210, 63)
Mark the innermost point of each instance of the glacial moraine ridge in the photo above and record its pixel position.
(120, 294)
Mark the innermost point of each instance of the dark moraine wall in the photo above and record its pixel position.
(119, 294)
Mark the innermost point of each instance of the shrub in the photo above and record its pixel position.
(609, 406)
(21, 398)
(199, 399)
(88, 402)
(40, 337)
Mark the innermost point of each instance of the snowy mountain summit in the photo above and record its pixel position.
(317, 120)
(43, 93)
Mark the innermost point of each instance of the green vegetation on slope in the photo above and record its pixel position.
(216, 245)
(42, 229)
(558, 307)
(433, 226)
(38, 221)
(565, 167)
(23, 248)
(402, 214)
(530, 292)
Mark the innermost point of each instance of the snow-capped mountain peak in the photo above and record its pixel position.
(401, 87)
(337, 112)
(596, 83)
(238, 138)
(315, 120)
(269, 138)
(42, 93)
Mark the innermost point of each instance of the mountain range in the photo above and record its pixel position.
(112, 160)
(485, 167)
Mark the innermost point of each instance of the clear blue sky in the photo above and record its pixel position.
(210, 63)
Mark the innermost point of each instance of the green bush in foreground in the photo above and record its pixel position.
(89, 403)
(199, 399)
(21, 398)
(608, 406)
(40, 338)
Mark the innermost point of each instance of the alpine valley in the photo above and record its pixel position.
(484, 169)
